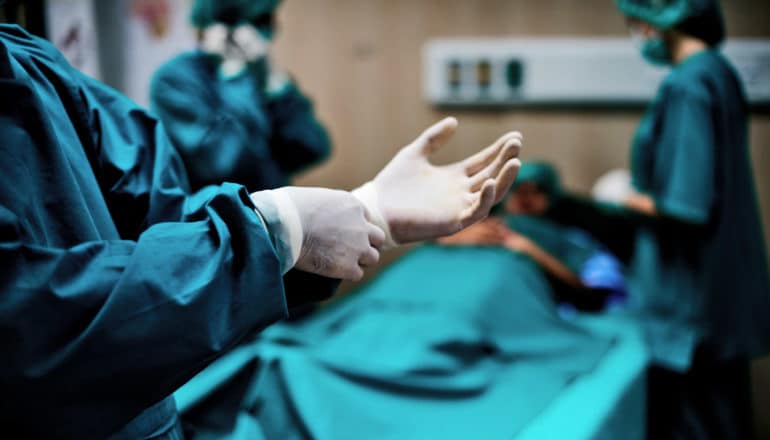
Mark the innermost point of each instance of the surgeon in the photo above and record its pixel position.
(119, 283)
(699, 272)
(232, 114)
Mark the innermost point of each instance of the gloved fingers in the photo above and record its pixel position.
(506, 177)
(376, 236)
(482, 205)
(480, 160)
(510, 150)
(369, 258)
(214, 39)
(354, 274)
(434, 137)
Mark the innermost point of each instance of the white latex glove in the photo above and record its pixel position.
(413, 200)
(249, 43)
(327, 231)
(214, 39)
(278, 80)
(237, 46)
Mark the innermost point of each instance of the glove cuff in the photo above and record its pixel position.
(367, 195)
(283, 223)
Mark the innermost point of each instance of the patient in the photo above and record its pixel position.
(581, 273)
(439, 345)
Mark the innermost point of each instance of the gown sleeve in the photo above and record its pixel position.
(683, 182)
(96, 331)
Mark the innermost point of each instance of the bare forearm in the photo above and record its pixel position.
(552, 265)
(642, 204)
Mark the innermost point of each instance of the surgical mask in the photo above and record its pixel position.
(654, 49)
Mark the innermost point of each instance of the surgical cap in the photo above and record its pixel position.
(699, 18)
(542, 174)
(231, 12)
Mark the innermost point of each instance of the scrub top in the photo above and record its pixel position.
(699, 275)
(117, 284)
(229, 129)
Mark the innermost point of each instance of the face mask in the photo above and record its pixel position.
(653, 49)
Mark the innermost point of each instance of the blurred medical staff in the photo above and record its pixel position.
(699, 273)
(230, 112)
(702, 273)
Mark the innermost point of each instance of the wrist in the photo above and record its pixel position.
(367, 195)
(280, 215)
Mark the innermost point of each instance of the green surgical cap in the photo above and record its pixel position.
(231, 12)
(542, 174)
(699, 18)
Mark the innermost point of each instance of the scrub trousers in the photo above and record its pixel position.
(710, 401)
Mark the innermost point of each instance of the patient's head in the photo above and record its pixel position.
(535, 188)
(527, 198)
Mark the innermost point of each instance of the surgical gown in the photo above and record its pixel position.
(117, 285)
(698, 273)
(228, 129)
(701, 274)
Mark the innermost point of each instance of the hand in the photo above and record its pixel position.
(277, 80)
(337, 239)
(489, 232)
(238, 47)
(214, 39)
(413, 200)
(641, 203)
(519, 243)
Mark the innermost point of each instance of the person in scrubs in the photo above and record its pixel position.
(119, 283)
(262, 128)
(698, 266)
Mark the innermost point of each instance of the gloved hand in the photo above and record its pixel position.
(327, 230)
(412, 199)
(239, 47)
(278, 80)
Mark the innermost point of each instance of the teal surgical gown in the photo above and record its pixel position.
(700, 275)
(117, 284)
(229, 129)
(698, 272)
